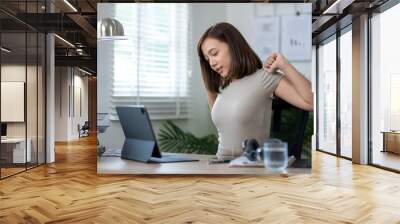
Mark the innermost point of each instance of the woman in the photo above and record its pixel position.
(240, 88)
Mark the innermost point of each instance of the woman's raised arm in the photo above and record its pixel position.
(294, 87)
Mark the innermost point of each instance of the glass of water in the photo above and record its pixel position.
(275, 155)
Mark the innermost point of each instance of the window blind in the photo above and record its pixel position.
(153, 67)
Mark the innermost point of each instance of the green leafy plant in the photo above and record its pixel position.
(173, 139)
(306, 153)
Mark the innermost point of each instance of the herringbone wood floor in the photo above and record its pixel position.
(70, 191)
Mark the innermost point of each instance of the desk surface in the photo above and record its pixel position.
(116, 165)
(390, 132)
(13, 140)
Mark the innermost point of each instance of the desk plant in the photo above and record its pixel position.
(173, 139)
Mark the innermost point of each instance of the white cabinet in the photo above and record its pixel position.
(18, 149)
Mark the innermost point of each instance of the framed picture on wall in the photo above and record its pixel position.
(12, 101)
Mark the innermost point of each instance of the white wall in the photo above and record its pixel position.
(16, 72)
(204, 16)
(113, 137)
(68, 82)
(82, 83)
(33, 126)
(245, 18)
(61, 103)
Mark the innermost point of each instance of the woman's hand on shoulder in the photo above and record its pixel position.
(274, 62)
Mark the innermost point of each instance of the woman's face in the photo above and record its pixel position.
(218, 56)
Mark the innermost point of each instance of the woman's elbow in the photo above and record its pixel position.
(310, 108)
(307, 104)
(310, 105)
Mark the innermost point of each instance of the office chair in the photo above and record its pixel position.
(290, 128)
(84, 130)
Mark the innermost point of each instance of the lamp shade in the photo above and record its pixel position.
(110, 29)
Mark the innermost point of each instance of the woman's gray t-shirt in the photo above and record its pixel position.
(243, 110)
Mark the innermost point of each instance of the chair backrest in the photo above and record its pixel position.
(86, 125)
(289, 124)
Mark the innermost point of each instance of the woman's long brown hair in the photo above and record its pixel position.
(244, 60)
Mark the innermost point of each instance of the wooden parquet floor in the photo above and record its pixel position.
(70, 191)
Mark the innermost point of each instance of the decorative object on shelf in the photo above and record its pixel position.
(110, 29)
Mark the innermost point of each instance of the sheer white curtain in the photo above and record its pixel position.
(346, 74)
(153, 67)
(327, 97)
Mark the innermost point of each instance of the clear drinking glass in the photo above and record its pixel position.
(275, 155)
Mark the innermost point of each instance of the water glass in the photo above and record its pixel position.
(275, 155)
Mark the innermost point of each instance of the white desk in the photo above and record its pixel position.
(116, 165)
(18, 149)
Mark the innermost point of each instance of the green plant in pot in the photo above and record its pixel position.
(171, 138)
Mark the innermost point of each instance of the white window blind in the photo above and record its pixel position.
(153, 67)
